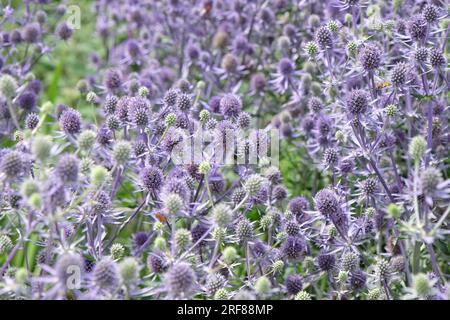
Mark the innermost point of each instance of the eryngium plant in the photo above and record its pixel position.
(95, 205)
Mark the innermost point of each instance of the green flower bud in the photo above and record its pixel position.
(160, 244)
(201, 85)
(41, 147)
(303, 295)
(91, 97)
(143, 91)
(333, 26)
(129, 271)
(352, 48)
(99, 175)
(122, 152)
(21, 275)
(394, 211)
(265, 222)
(391, 110)
(417, 148)
(157, 226)
(311, 48)
(204, 115)
(173, 203)
(221, 294)
(5, 244)
(222, 215)
(171, 119)
(422, 285)
(218, 234)
(204, 167)
(262, 286)
(8, 86)
(29, 187)
(47, 107)
(35, 201)
(82, 86)
(339, 135)
(229, 255)
(253, 184)
(18, 136)
(277, 266)
(86, 139)
(342, 276)
(117, 251)
(182, 239)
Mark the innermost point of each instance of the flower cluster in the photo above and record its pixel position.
(112, 196)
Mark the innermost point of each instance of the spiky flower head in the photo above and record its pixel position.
(430, 179)
(244, 230)
(421, 54)
(173, 203)
(417, 27)
(369, 186)
(382, 269)
(350, 261)
(315, 104)
(86, 139)
(91, 97)
(430, 13)
(182, 239)
(117, 251)
(262, 286)
(70, 121)
(180, 280)
(171, 119)
(156, 263)
(221, 294)
(184, 102)
(8, 86)
(399, 74)
(99, 175)
(303, 295)
(293, 247)
(330, 156)
(417, 148)
(326, 202)
(352, 48)
(106, 275)
(370, 57)
(229, 255)
(230, 63)
(214, 283)
(230, 105)
(437, 58)
(170, 97)
(67, 265)
(41, 147)
(324, 37)
(326, 261)
(122, 152)
(12, 164)
(357, 101)
(222, 215)
(32, 121)
(253, 184)
(422, 285)
(129, 271)
(151, 178)
(357, 279)
(67, 168)
(293, 283)
(311, 48)
(5, 244)
(391, 110)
